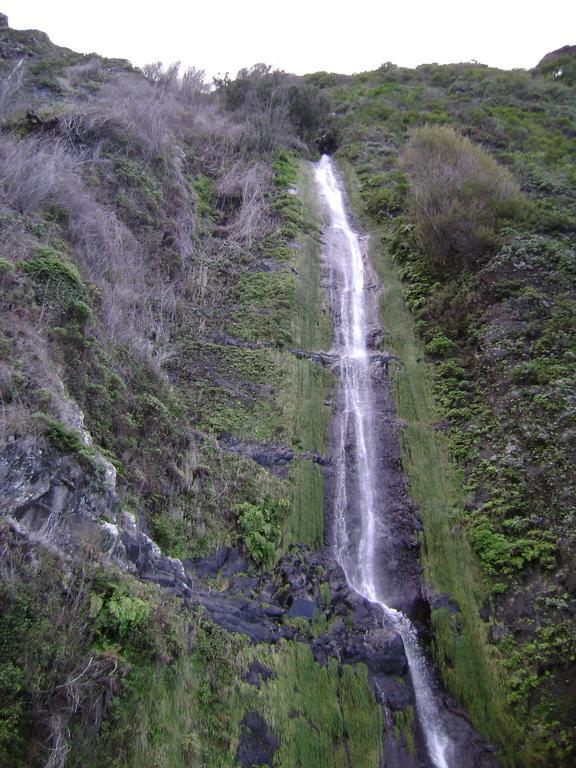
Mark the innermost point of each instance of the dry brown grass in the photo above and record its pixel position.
(33, 170)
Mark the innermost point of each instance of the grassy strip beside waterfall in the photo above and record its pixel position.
(309, 384)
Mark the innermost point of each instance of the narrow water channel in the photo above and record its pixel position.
(364, 530)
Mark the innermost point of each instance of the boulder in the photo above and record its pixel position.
(382, 650)
(257, 742)
(302, 607)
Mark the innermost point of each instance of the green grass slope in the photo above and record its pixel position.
(478, 305)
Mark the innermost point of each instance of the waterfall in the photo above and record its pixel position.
(356, 439)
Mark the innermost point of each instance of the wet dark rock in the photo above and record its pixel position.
(472, 750)
(258, 673)
(210, 565)
(324, 358)
(419, 612)
(268, 458)
(375, 338)
(323, 649)
(361, 611)
(303, 608)
(497, 632)
(275, 458)
(382, 650)
(227, 561)
(235, 563)
(243, 616)
(257, 742)
(393, 692)
(445, 602)
(243, 583)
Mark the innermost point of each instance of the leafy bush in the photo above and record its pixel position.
(259, 534)
(119, 616)
(57, 282)
(385, 194)
(503, 554)
(457, 195)
(63, 437)
(440, 345)
(532, 372)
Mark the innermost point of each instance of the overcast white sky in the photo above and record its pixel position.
(305, 35)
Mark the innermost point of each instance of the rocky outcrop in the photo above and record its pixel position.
(52, 496)
(257, 742)
(273, 457)
(560, 53)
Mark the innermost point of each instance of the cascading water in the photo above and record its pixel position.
(356, 449)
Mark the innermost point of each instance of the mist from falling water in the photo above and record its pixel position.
(355, 447)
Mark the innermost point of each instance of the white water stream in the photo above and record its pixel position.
(356, 454)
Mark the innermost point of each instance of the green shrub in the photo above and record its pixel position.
(66, 439)
(532, 372)
(46, 264)
(136, 175)
(81, 311)
(500, 553)
(57, 282)
(440, 345)
(457, 195)
(12, 709)
(385, 194)
(259, 534)
(118, 616)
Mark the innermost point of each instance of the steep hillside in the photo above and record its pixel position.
(167, 387)
(486, 256)
(151, 250)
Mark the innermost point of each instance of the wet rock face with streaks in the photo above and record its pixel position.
(305, 585)
(399, 574)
